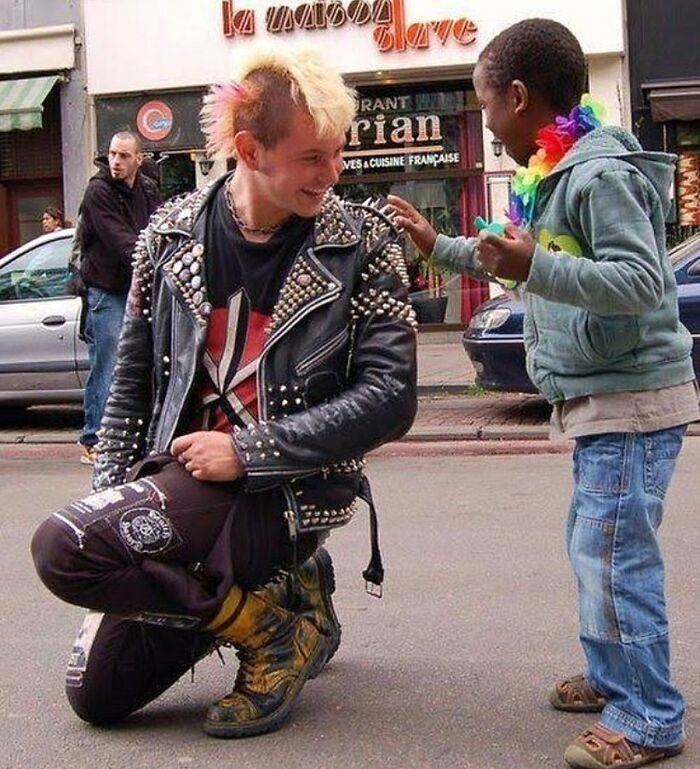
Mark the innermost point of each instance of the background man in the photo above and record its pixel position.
(117, 204)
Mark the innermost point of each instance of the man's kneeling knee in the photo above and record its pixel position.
(54, 552)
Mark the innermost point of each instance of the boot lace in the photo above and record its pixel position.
(246, 668)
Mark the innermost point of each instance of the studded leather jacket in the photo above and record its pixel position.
(336, 378)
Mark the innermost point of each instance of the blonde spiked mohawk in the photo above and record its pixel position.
(268, 85)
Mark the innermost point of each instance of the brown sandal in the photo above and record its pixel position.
(601, 748)
(576, 695)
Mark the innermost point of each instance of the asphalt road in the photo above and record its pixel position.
(448, 670)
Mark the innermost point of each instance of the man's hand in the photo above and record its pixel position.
(208, 456)
(416, 225)
(509, 257)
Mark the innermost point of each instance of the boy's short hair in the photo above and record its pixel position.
(261, 100)
(544, 55)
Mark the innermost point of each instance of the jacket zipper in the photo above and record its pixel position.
(262, 402)
(291, 524)
(325, 350)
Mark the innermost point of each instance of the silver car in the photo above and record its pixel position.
(42, 360)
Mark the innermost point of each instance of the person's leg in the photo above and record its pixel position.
(103, 326)
(620, 484)
(167, 549)
(131, 549)
(119, 665)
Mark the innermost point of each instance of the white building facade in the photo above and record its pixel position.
(419, 130)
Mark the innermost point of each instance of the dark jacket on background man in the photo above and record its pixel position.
(112, 215)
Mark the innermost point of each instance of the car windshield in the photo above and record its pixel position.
(684, 249)
(41, 272)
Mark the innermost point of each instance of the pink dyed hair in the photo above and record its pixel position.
(262, 99)
(222, 105)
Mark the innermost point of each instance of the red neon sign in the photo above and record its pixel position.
(391, 31)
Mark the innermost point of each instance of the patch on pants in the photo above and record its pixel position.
(77, 664)
(147, 531)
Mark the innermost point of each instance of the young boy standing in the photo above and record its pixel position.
(605, 346)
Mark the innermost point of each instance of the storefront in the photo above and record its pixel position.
(418, 131)
(42, 117)
(167, 123)
(665, 88)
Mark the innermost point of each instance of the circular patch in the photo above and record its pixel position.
(145, 531)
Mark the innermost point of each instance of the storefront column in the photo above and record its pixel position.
(609, 83)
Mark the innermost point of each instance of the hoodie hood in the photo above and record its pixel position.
(616, 142)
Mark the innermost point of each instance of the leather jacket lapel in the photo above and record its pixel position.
(183, 262)
(186, 270)
(309, 284)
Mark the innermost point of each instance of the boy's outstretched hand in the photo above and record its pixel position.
(416, 225)
(509, 257)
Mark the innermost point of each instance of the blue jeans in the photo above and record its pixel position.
(102, 327)
(620, 484)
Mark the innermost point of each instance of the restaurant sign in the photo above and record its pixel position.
(391, 30)
(405, 133)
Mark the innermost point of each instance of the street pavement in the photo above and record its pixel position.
(449, 670)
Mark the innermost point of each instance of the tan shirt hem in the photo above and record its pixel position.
(632, 412)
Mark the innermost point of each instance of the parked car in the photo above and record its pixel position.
(494, 337)
(42, 360)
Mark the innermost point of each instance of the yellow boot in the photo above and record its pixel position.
(277, 651)
(307, 591)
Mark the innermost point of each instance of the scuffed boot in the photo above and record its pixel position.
(307, 591)
(276, 649)
(314, 584)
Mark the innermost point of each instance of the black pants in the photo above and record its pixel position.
(156, 557)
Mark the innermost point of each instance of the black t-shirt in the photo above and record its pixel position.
(244, 280)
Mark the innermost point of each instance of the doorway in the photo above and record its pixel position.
(26, 204)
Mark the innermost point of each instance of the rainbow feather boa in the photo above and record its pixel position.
(554, 141)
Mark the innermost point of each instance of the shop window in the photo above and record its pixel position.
(30, 176)
(425, 146)
(30, 207)
(34, 154)
(687, 181)
(177, 174)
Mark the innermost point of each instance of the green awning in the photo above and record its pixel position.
(21, 102)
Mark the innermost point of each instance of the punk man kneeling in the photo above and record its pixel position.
(267, 345)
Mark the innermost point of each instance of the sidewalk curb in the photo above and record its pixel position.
(419, 435)
(471, 448)
(468, 448)
(443, 389)
(24, 439)
(477, 433)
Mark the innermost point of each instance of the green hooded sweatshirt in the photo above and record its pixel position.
(601, 306)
